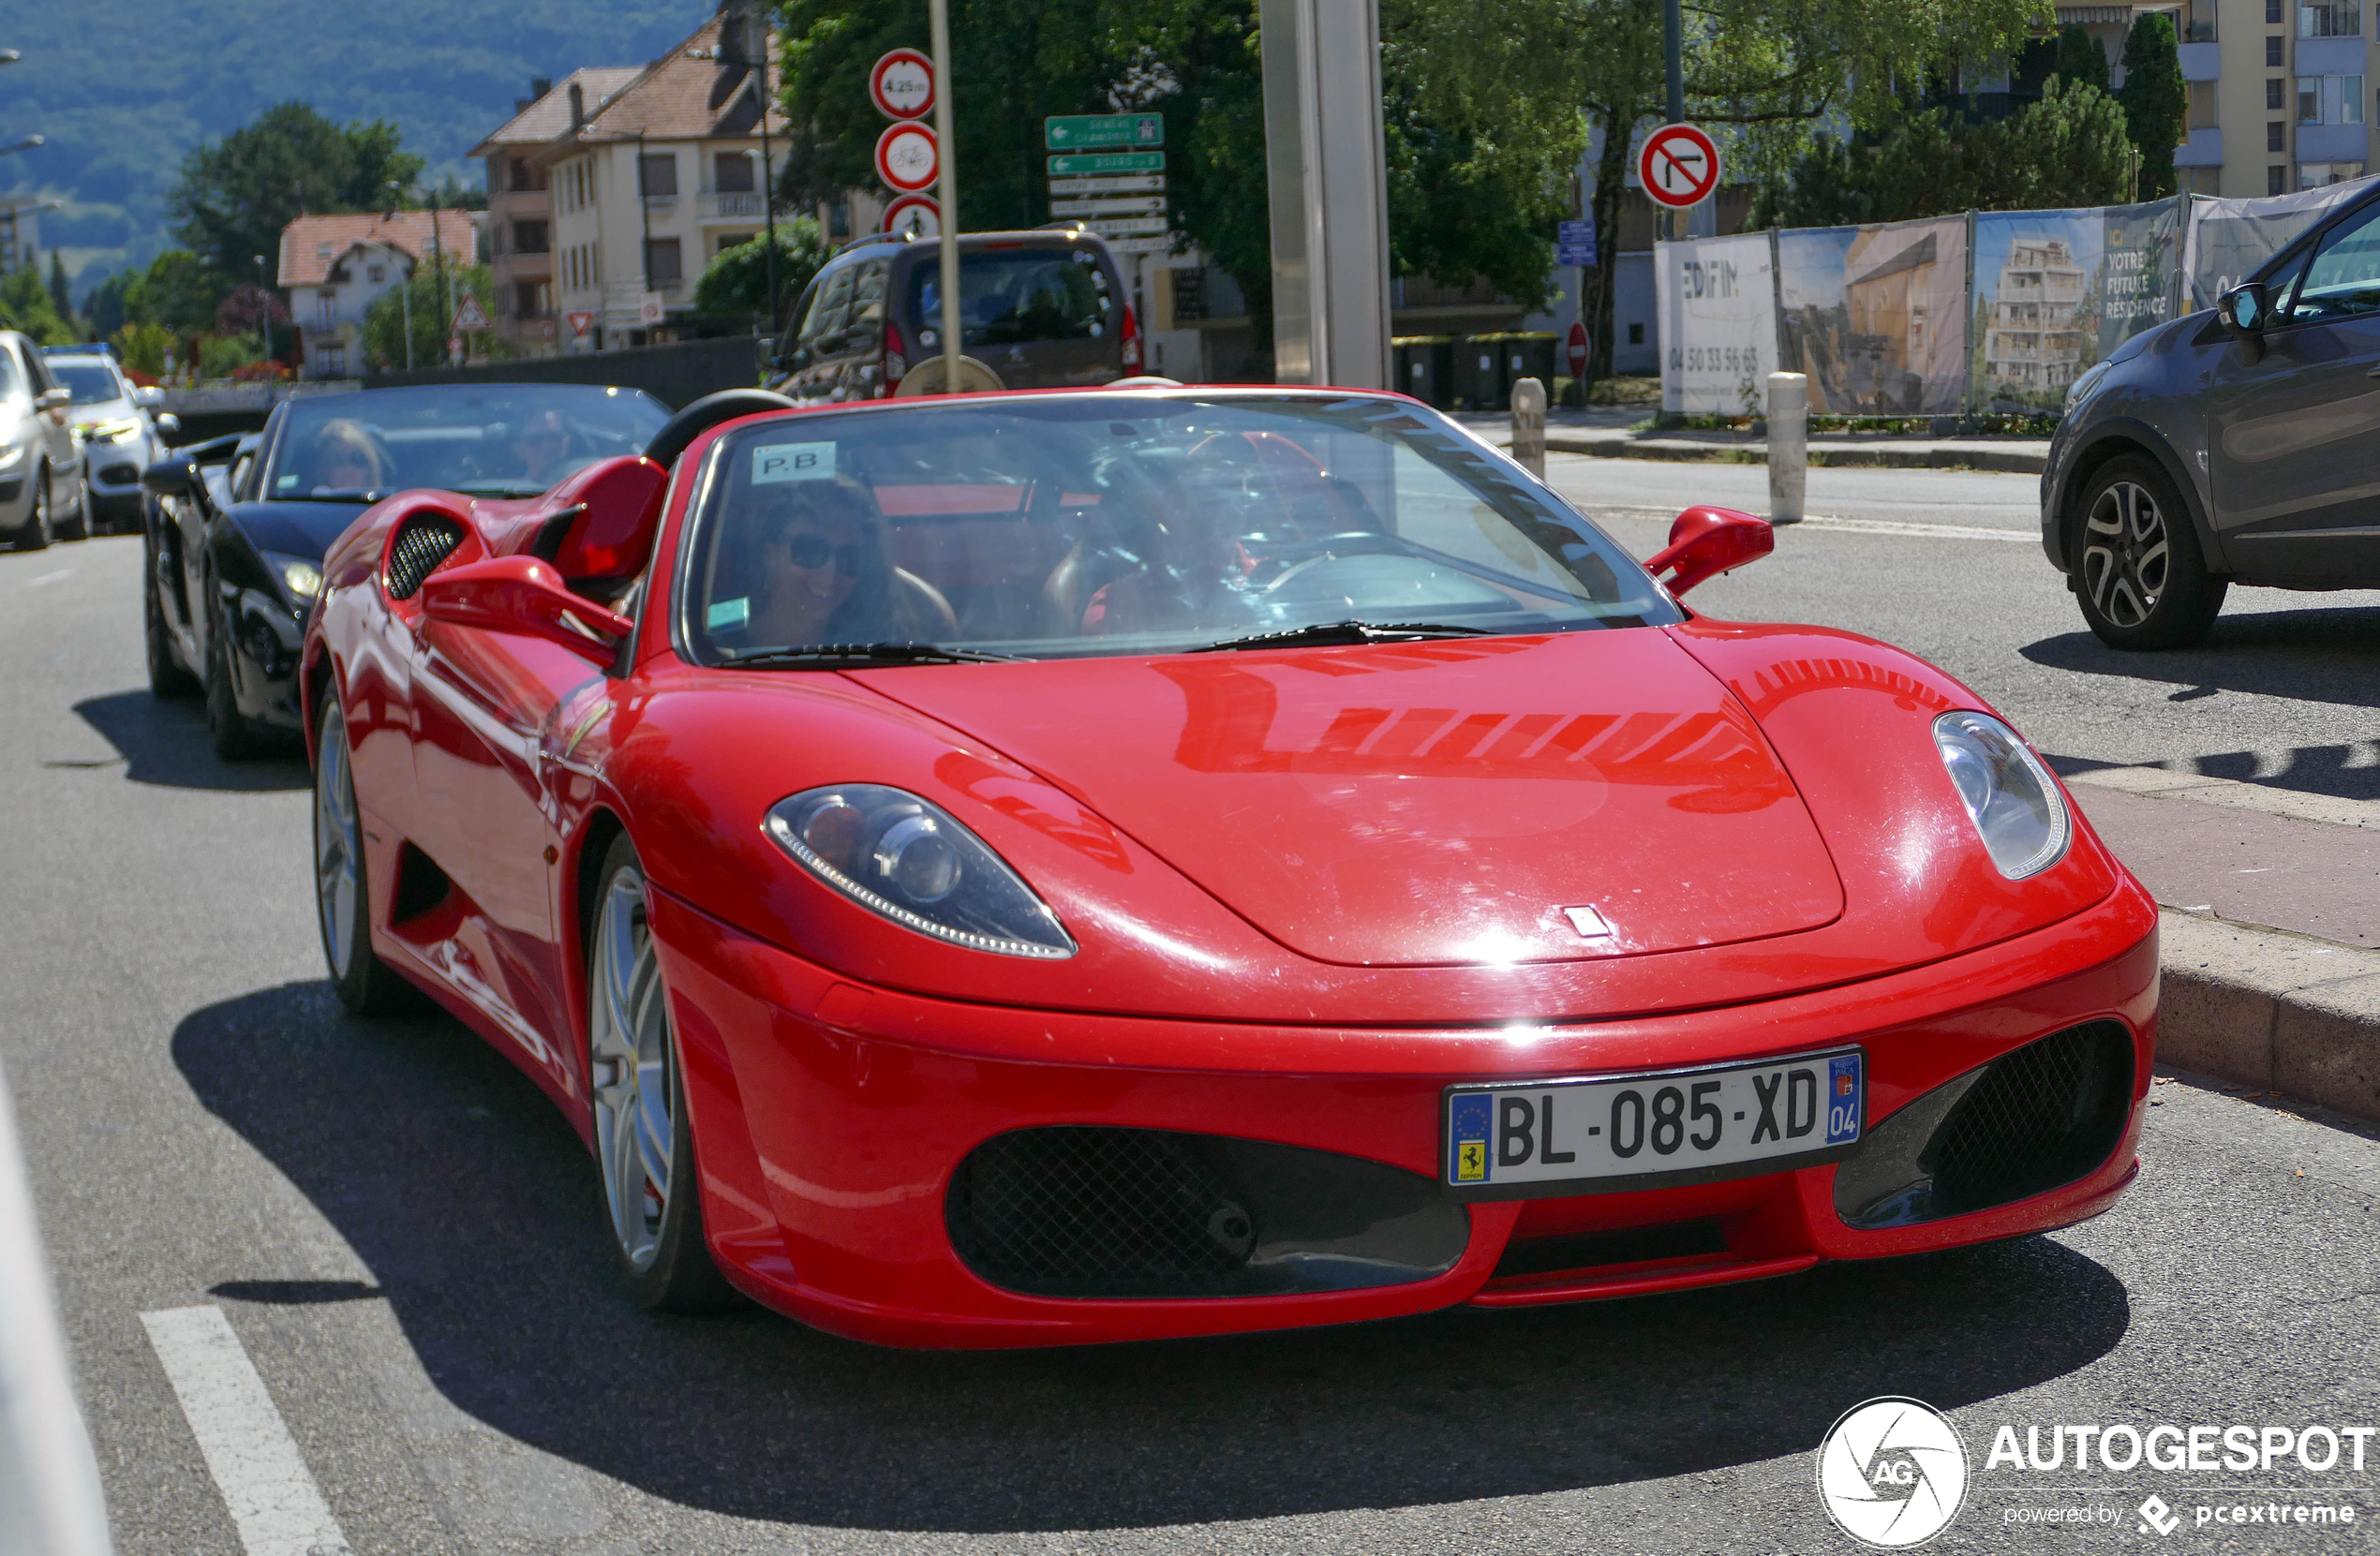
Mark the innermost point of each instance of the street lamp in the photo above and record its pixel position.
(11, 56)
(263, 308)
(26, 144)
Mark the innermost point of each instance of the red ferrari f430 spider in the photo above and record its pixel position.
(1030, 868)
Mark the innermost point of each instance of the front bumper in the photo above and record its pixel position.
(832, 1121)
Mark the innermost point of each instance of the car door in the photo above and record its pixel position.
(64, 454)
(818, 349)
(483, 703)
(2294, 420)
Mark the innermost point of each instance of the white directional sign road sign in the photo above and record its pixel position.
(1121, 184)
(1125, 205)
(1126, 227)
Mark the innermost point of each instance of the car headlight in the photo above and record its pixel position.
(910, 860)
(2010, 797)
(301, 577)
(109, 432)
(2082, 388)
(11, 453)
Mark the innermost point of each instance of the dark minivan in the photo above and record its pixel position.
(1044, 310)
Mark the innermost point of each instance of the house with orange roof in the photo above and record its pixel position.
(334, 268)
(520, 214)
(648, 185)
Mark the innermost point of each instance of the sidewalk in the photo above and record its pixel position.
(1610, 433)
(2270, 975)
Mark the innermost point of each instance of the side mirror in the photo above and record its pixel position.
(525, 598)
(174, 476)
(53, 399)
(167, 424)
(1708, 542)
(605, 520)
(147, 395)
(2245, 308)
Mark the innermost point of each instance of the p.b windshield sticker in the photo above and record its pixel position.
(778, 462)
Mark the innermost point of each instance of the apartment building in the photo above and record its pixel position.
(332, 268)
(647, 185)
(520, 215)
(2282, 91)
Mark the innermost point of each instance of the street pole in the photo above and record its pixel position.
(1674, 63)
(947, 146)
(767, 180)
(1326, 192)
(264, 309)
(438, 268)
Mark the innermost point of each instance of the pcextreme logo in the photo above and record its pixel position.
(1892, 1473)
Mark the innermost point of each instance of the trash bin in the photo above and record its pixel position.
(1424, 366)
(1477, 381)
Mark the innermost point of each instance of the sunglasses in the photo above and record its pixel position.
(810, 549)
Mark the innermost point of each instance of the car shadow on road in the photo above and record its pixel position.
(475, 1208)
(2324, 654)
(165, 743)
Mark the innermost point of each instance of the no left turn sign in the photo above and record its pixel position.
(1678, 166)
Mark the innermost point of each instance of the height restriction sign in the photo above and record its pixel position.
(1678, 166)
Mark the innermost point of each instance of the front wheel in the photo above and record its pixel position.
(644, 1145)
(236, 737)
(35, 536)
(2139, 572)
(167, 678)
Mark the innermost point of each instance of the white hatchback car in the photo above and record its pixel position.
(120, 437)
(42, 491)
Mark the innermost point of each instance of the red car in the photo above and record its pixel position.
(1034, 869)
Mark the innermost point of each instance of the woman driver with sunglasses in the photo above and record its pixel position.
(822, 573)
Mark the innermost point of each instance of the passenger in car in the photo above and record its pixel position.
(345, 457)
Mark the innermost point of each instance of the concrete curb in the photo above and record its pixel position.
(1922, 456)
(2270, 1009)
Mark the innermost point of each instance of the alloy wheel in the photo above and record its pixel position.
(337, 844)
(2126, 554)
(628, 1039)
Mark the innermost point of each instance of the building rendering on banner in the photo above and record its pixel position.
(2031, 339)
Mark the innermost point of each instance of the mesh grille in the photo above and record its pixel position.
(2041, 1115)
(1079, 1211)
(420, 547)
(120, 475)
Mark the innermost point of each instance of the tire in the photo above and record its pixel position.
(236, 737)
(167, 678)
(650, 1201)
(365, 984)
(78, 526)
(35, 536)
(2139, 575)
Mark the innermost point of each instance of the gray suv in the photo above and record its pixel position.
(42, 491)
(2242, 444)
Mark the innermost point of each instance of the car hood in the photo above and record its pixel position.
(1432, 803)
(296, 528)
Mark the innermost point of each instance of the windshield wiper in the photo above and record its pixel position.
(1332, 632)
(827, 655)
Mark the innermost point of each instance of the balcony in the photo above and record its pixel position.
(2330, 56)
(2204, 149)
(729, 206)
(2331, 142)
(2201, 62)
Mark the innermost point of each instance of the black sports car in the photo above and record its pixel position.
(238, 527)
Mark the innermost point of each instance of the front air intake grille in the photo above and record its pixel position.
(121, 475)
(421, 545)
(2034, 1119)
(1083, 1210)
(2043, 1115)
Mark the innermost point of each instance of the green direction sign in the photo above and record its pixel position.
(1107, 162)
(1082, 131)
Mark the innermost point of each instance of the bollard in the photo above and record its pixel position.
(1788, 445)
(1528, 426)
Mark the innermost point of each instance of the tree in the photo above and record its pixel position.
(25, 304)
(2068, 149)
(2155, 99)
(736, 283)
(234, 197)
(181, 291)
(384, 324)
(61, 297)
(143, 346)
(2080, 58)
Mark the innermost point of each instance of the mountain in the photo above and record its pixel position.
(123, 88)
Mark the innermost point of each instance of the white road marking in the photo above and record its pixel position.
(255, 1464)
(49, 578)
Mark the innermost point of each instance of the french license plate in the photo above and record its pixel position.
(1602, 1134)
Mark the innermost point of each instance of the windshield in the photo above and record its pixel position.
(1148, 523)
(1011, 297)
(513, 441)
(91, 383)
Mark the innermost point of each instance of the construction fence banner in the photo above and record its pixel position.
(1716, 302)
(1990, 311)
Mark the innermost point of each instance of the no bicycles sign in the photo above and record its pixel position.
(1678, 166)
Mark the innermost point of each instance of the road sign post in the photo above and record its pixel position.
(953, 347)
(1326, 173)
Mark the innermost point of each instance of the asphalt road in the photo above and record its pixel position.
(404, 1240)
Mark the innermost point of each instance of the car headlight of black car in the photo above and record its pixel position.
(300, 577)
(2010, 797)
(909, 860)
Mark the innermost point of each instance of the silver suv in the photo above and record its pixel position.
(2241, 444)
(121, 434)
(42, 491)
